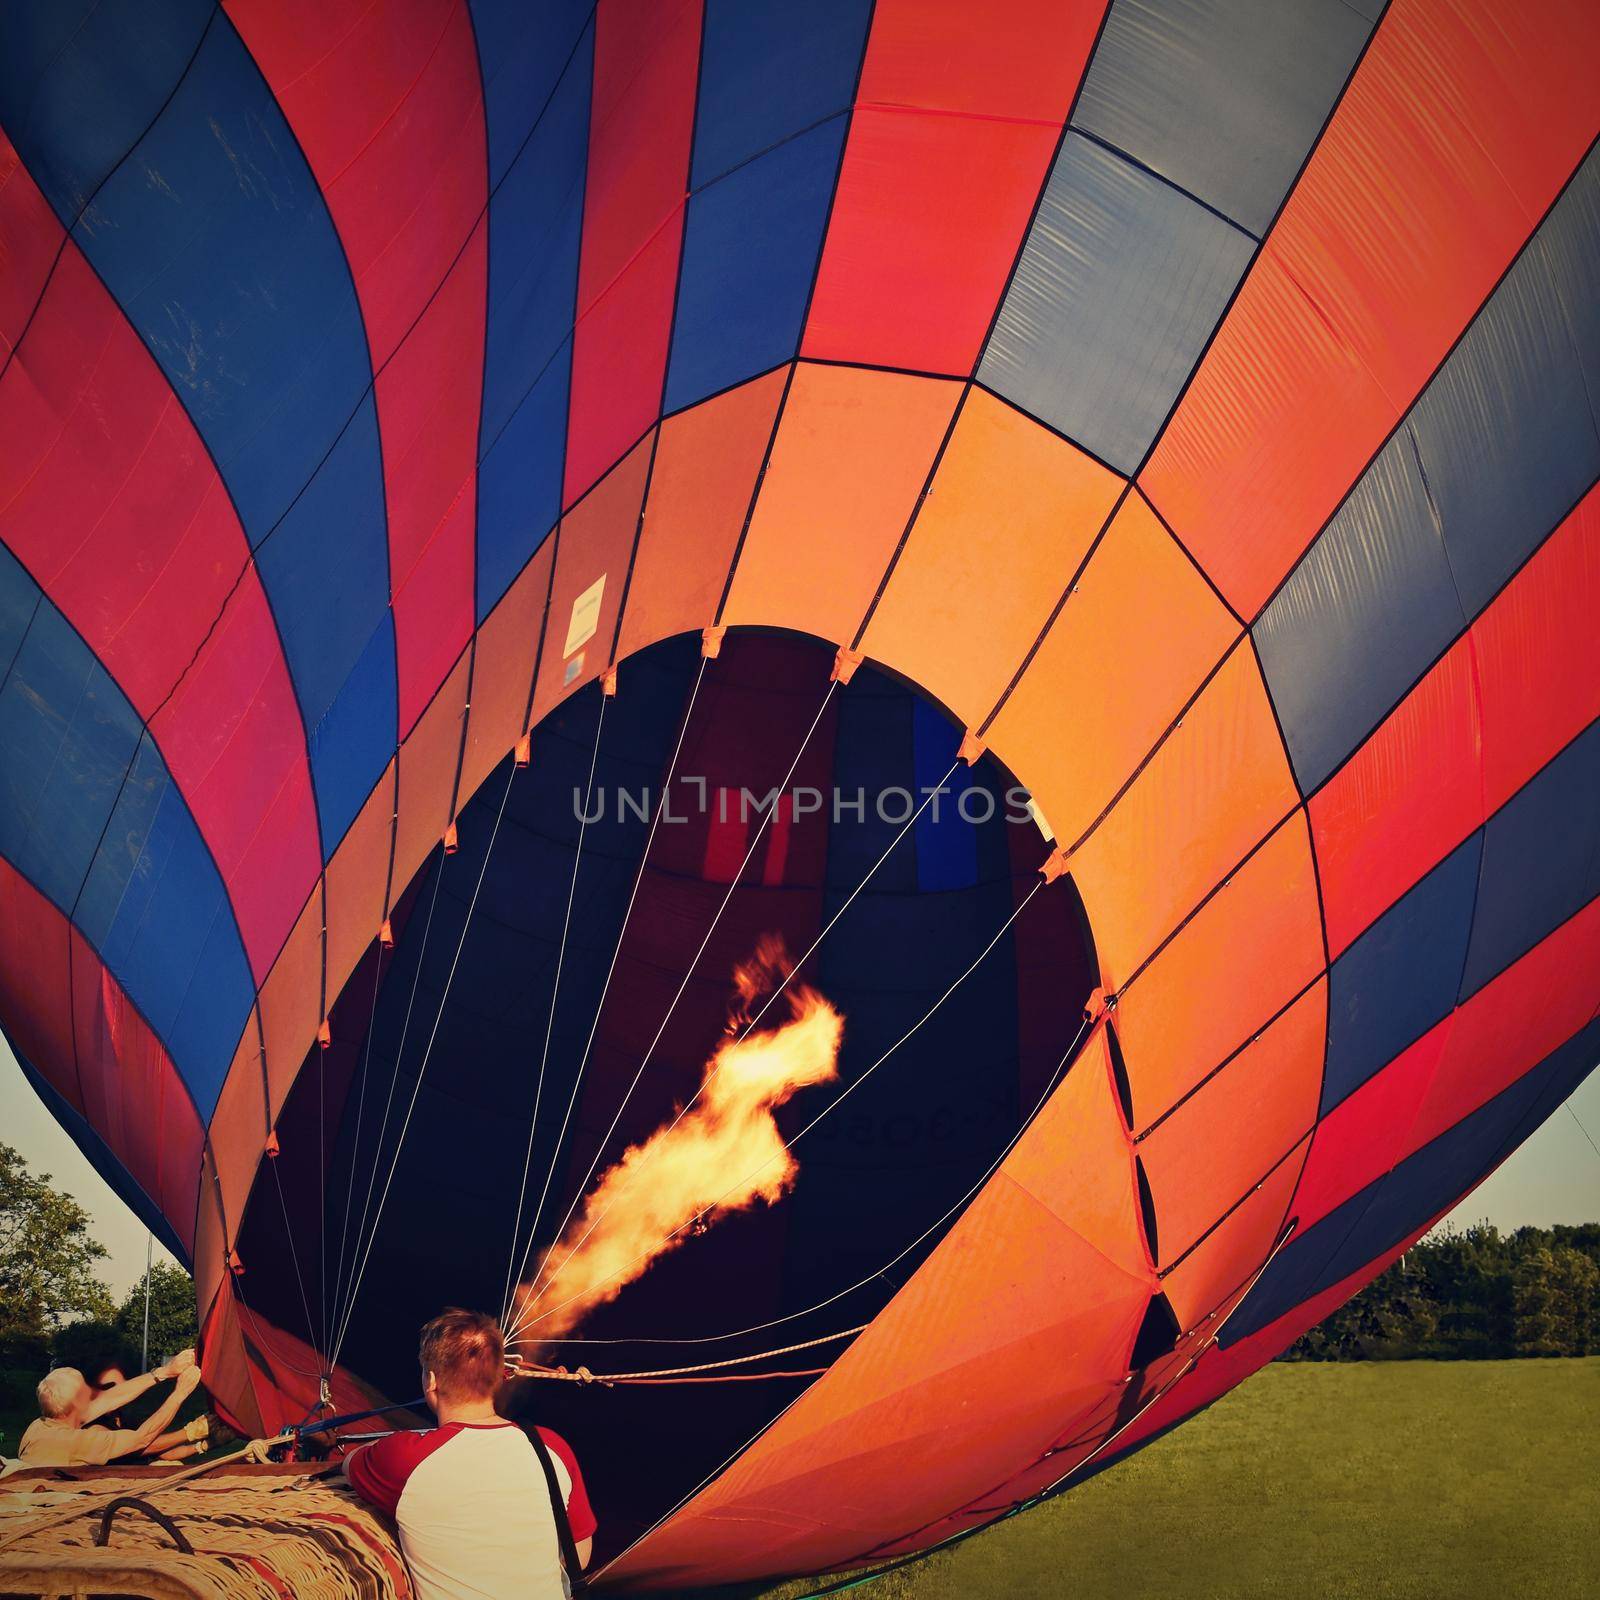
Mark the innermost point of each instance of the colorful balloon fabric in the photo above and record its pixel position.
(1182, 411)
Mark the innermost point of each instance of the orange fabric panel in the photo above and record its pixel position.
(1134, 640)
(239, 1126)
(358, 875)
(1023, 61)
(707, 462)
(1253, 945)
(427, 778)
(1216, 786)
(852, 454)
(1364, 1135)
(1218, 1143)
(1513, 1023)
(1078, 1161)
(595, 542)
(502, 672)
(1016, 1317)
(885, 1441)
(1012, 511)
(1478, 113)
(291, 1000)
(1403, 801)
(1538, 648)
(1225, 1260)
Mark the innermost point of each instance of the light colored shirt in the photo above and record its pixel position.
(49, 1442)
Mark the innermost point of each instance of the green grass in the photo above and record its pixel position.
(1373, 1481)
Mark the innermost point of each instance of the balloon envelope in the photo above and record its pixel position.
(1178, 416)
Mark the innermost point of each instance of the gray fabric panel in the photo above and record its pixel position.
(1120, 284)
(1507, 430)
(1223, 97)
(1361, 617)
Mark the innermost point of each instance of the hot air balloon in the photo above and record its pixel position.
(454, 453)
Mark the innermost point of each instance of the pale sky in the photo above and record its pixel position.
(1554, 1177)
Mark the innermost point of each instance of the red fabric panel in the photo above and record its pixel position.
(1364, 1135)
(97, 443)
(1479, 112)
(35, 986)
(386, 102)
(949, 147)
(132, 1093)
(1497, 707)
(29, 239)
(646, 60)
(1513, 1023)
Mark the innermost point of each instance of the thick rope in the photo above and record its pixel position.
(694, 961)
(666, 1374)
(550, 1015)
(416, 1087)
(530, 1317)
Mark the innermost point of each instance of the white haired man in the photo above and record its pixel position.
(65, 1434)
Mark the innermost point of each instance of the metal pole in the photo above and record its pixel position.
(149, 1246)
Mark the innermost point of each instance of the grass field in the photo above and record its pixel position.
(1374, 1481)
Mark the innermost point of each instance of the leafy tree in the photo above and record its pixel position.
(1554, 1292)
(89, 1344)
(47, 1258)
(172, 1316)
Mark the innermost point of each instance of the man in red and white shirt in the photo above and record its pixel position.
(471, 1497)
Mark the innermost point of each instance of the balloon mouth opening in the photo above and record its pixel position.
(879, 908)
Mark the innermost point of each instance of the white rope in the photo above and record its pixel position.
(394, 1078)
(861, 1283)
(416, 1087)
(529, 1318)
(583, 1375)
(555, 995)
(750, 1026)
(578, 1192)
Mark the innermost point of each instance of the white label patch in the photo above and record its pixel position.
(585, 615)
(574, 667)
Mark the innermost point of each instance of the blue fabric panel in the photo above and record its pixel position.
(1507, 431)
(523, 46)
(749, 252)
(1120, 284)
(519, 482)
(101, 1159)
(350, 747)
(81, 80)
(1221, 97)
(1369, 608)
(1541, 860)
(69, 735)
(1401, 976)
(946, 844)
(535, 233)
(217, 244)
(331, 598)
(768, 72)
(1427, 1182)
(155, 908)
(19, 599)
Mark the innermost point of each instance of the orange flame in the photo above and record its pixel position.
(722, 1154)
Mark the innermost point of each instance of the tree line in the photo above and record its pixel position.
(1472, 1294)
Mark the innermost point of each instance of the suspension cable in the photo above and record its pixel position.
(394, 1077)
(700, 1373)
(361, 1108)
(644, 1060)
(555, 995)
(416, 1087)
(529, 1317)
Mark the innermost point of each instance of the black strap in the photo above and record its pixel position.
(160, 1518)
(558, 1504)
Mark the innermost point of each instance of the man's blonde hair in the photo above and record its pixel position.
(57, 1390)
